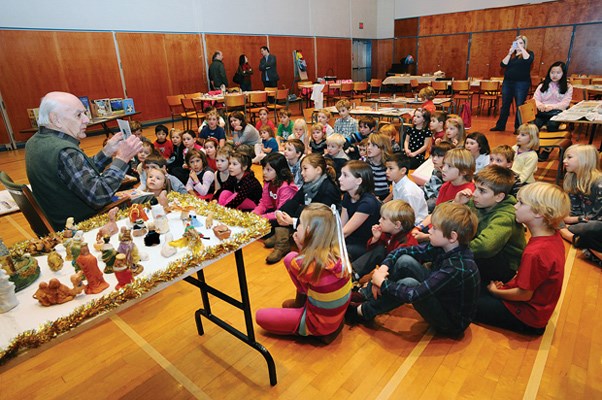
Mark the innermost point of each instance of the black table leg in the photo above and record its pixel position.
(244, 304)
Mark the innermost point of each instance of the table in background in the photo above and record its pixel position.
(102, 121)
(586, 112)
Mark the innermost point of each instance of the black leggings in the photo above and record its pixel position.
(492, 311)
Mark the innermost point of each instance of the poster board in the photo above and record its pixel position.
(299, 66)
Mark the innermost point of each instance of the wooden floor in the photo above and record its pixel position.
(152, 350)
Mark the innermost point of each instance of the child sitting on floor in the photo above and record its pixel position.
(322, 282)
(445, 293)
(526, 303)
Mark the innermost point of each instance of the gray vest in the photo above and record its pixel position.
(55, 198)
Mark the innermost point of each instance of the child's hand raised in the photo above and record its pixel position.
(463, 196)
(376, 232)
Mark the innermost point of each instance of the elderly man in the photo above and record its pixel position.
(66, 182)
(217, 71)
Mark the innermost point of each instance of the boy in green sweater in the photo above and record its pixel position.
(500, 240)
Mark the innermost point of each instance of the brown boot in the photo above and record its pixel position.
(297, 302)
(282, 246)
(270, 242)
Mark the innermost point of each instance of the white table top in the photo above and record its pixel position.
(30, 315)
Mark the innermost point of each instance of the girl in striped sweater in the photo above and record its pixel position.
(323, 284)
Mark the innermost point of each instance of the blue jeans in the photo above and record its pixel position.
(409, 272)
(512, 90)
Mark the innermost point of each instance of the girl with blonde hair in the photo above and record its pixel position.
(583, 183)
(323, 284)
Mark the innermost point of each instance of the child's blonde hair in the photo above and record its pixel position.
(533, 132)
(546, 200)
(321, 244)
(456, 120)
(343, 104)
(453, 217)
(324, 111)
(504, 150)
(399, 211)
(337, 139)
(463, 160)
(300, 123)
(427, 93)
(383, 142)
(317, 127)
(587, 171)
(174, 131)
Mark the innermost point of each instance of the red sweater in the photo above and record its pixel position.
(165, 148)
(392, 242)
(448, 191)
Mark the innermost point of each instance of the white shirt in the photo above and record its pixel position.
(411, 193)
(481, 162)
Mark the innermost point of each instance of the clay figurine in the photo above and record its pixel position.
(191, 238)
(137, 212)
(128, 247)
(89, 266)
(139, 228)
(108, 255)
(222, 232)
(167, 250)
(194, 221)
(6, 261)
(54, 292)
(161, 222)
(75, 247)
(122, 272)
(55, 261)
(152, 238)
(111, 228)
(45, 245)
(8, 299)
(209, 221)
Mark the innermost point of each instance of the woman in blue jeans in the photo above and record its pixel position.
(517, 80)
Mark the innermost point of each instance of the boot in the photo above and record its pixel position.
(270, 242)
(282, 246)
(297, 302)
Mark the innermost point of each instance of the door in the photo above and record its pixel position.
(361, 60)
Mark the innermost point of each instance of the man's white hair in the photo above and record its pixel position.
(48, 104)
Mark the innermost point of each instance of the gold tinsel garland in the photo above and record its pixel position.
(255, 227)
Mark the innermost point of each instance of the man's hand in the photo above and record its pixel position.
(128, 148)
(112, 144)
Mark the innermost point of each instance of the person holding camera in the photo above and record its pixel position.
(517, 80)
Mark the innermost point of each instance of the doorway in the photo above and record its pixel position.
(362, 60)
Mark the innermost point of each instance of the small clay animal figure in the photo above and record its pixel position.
(111, 228)
(54, 292)
(209, 221)
(152, 238)
(55, 261)
(167, 250)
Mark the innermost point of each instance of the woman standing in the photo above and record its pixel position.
(244, 73)
(517, 80)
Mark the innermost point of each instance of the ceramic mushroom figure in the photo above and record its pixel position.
(89, 266)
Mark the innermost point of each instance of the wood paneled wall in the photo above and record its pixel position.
(232, 46)
(586, 57)
(334, 57)
(282, 47)
(382, 57)
(443, 40)
(34, 63)
(156, 65)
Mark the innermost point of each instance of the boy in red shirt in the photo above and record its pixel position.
(526, 303)
(163, 144)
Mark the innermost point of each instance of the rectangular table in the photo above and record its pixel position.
(102, 121)
(586, 112)
(54, 324)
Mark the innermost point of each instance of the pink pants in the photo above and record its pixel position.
(283, 321)
(227, 196)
